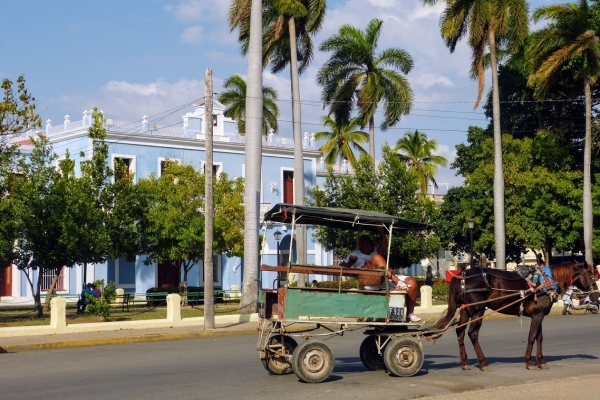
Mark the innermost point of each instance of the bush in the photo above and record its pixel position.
(440, 290)
(348, 284)
(100, 306)
(155, 300)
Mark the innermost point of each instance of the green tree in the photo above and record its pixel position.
(391, 189)
(488, 24)
(234, 98)
(416, 150)
(173, 226)
(340, 141)
(356, 74)
(570, 38)
(17, 115)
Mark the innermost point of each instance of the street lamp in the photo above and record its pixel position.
(471, 225)
(277, 236)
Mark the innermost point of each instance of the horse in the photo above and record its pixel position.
(481, 288)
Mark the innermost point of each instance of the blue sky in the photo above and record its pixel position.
(135, 58)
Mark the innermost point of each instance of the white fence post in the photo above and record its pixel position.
(174, 308)
(426, 299)
(58, 313)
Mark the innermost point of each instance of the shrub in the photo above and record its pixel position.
(440, 290)
(100, 306)
(347, 284)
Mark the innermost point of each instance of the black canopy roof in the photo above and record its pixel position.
(342, 218)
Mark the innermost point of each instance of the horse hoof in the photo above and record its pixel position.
(486, 369)
(466, 367)
(532, 367)
(543, 366)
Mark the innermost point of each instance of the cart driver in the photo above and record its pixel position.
(367, 253)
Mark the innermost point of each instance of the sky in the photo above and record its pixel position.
(136, 58)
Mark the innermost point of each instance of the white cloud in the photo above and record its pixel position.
(428, 80)
(198, 10)
(192, 34)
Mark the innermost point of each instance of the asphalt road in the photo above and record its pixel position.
(229, 367)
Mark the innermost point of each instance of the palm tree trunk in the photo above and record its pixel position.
(499, 229)
(298, 153)
(372, 138)
(588, 221)
(253, 159)
(209, 310)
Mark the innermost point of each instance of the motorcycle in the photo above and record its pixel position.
(585, 303)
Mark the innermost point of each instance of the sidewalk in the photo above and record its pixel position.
(225, 325)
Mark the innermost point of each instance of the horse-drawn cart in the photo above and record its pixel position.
(308, 314)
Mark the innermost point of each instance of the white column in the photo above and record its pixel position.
(67, 122)
(58, 313)
(48, 126)
(174, 308)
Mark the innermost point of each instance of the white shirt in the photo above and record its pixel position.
(361, 258)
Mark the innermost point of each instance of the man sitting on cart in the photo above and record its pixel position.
(368, 256)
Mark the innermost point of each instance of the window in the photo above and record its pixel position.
(214, 119)
(162, 163)
(47, 276)
(217, 168)
(122, 167)
(288, 187)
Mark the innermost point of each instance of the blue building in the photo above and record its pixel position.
(144, 146)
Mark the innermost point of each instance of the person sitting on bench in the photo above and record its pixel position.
(370, 257)
(83, 299)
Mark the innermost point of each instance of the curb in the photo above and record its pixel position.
(124, 340)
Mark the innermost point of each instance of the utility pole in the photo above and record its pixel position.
(209, 310)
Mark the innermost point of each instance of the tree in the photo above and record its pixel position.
(416, 151)
(489, 24)
(340, 141)
(391, 189)
(356, 74)
(53, 207)
(173, 226)
(234, 98)
(288, 27)
(540, 196)
(570, 38)
(247, 14)
(17, 115)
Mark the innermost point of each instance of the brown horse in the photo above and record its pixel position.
(479, 288)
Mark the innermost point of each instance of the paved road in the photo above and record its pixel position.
(228, 368)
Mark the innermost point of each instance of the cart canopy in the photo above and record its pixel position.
(342, 218)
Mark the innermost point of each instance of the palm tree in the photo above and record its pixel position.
(288, 27)
(570, 38)
(253, 154)
(340, 141)
(417, 151)
(235, 100)
(355, 73)
(493, 24)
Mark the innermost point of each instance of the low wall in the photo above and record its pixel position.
(58, 321)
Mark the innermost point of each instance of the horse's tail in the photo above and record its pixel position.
(453, 303)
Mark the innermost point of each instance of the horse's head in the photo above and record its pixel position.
(573, 273)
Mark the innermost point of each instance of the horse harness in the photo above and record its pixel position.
(465, 291)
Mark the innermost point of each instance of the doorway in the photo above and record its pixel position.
(6, 281)
(168, 274)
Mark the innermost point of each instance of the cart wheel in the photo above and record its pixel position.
(593, 309)
(369, 354)
(403, 356)
(276, 362)
(313, 361)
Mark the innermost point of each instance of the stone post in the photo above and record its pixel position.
(58, 313)
(67, 122)
(144, 124)
(86, 119)
(48, 126)
(174, 308)
(426, 298)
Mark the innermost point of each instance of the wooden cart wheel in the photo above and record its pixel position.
(403, 356)
(277, 347)
(313, 361)
(369, 354)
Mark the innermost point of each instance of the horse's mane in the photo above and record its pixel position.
(563, 273)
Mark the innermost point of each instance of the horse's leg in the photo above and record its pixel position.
(534, 332)
(474, 327)
(539, 356)
(460, 333)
